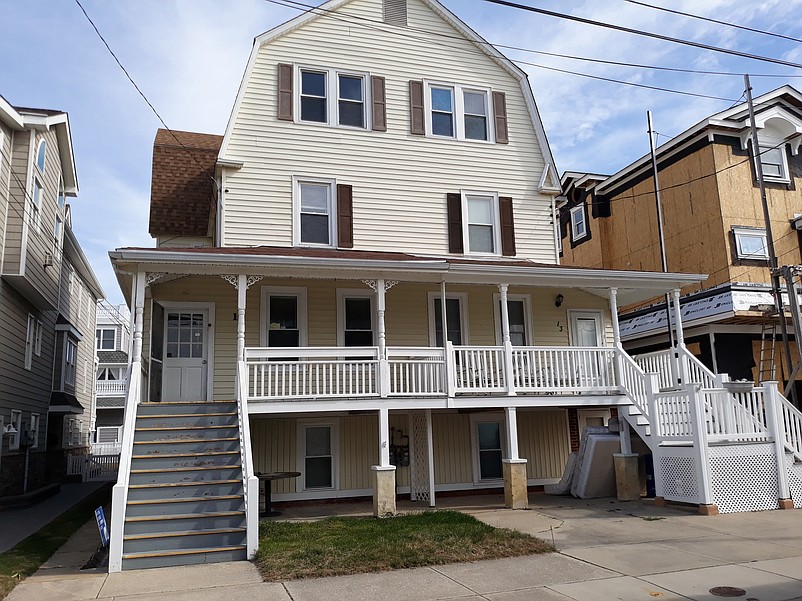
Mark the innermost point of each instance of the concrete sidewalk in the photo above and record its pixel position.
(20, 523)
(607, 550)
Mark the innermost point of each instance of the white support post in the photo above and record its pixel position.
(624, 435)
(430, 455)
(509, 367)
(384, 365)
(242, 293)
(680, 361)
(699, 425)
(652, 388)
(451, 370)
(680, 335)
(776, 431)
(614, 317)
(384, 438)
(511, 415)
(139, 313)
(383, 475)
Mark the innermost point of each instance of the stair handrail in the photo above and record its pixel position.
(634, 381)
(696, 367)
(791, 421)
(250, 482)
(119, 493)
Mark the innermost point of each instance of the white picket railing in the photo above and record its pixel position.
(111, 387)
(417, 371)
(478, 369)
(791, 421)
(635, 382)
(661, 363)
(698, 372)
(672, 416)
(330, 372)
(576, 369)
(250, 482)
(735, 416)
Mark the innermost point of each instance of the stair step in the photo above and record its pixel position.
(185, 455)
(186, 500)
(187, 420)
(168, 470)
(172, 484)
(186, 539)
(155, 559)
(184, 505)
(184, 516)
(187, 440)
(200, 475)
(163, 415)
(181, 428)
(183, 533)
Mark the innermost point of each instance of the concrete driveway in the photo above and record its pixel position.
(606, 550)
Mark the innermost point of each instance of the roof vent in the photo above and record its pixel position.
(395, 12)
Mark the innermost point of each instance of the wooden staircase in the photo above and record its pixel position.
(185, 501)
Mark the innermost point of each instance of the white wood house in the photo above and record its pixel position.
(359, 283)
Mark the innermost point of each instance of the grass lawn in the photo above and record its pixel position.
(352, 545)
(24, 559)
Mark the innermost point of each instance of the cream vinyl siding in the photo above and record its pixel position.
(359, 449)
(399, 180)
(543, 442)
(453, 460)
(5, 181)
(13, 235)
(274, 445)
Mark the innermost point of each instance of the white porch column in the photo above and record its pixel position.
(139, 313)
(516, 494)
(384, 473)
(614, 317)
(380, 326)
(509, 367)
(242, 293)
(677, 317)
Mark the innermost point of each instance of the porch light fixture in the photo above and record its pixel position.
(558, 300)
(9, 429)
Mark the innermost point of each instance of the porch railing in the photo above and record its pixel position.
(290, 373)
(111, 387)
(671, 368)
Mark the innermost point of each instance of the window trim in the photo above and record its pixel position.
(301, 426)
(37, 338)
(342, 295)
(264, 312)
(16, 421)
(578, 210)
(332, 96)
(458, 94)
(41, 150)
(297, 181)
(34, 432)
(494, 211)
(66, 370)
(527, 301)
(755, 232)
(476, 419)
(462, 297)
(100, 339)
(785, 177)
(36, 202)
(30, 342)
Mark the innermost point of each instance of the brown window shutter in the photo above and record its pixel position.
(379, 100)
(507, 226)
(285, 92)
(455, 223)
(417, 114)
(345, 216)
(500, 115)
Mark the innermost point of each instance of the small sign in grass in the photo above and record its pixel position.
(352, 545)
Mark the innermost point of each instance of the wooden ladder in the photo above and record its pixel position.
(767, 368)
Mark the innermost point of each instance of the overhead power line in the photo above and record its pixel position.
(648, 34)
(716, 21)
(141, 93)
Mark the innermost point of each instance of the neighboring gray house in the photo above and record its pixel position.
(112, 336)
(48, 294)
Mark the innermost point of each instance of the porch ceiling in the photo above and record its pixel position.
(306, 263)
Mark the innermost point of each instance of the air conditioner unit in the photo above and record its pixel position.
(48, 260)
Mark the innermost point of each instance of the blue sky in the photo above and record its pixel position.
(188, 57)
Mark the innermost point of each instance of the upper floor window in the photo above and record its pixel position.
(481, 226)
(314, 222)
(333, 97)
(16, 421)
(40, 156)
(750, 243)
(579, 225)
(105, 339)
(70, 359)
(355, 318)
(460, 112)
(774, 162)
(61, 195)
(36, 204)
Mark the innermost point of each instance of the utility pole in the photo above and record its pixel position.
(660, 233)
(775, 275)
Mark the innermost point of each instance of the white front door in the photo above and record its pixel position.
(185, 354)
(586, 329)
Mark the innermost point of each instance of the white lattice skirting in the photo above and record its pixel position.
(744, 477)
(794, 480)
(679, 475)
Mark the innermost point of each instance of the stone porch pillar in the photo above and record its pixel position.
(516, 495)
(383, 475)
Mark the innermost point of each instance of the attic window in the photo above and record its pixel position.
(395, 12)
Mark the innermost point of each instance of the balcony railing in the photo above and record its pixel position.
(337, 372)
(111, 387)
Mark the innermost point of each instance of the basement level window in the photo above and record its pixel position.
(750, 243)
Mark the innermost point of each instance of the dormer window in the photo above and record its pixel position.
(579, 225)
(40, 156)
(774, 162)
(331, 97)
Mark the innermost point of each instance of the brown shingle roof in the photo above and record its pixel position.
(182, 195)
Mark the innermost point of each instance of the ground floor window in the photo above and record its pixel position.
(317, 455)
(488, 438)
